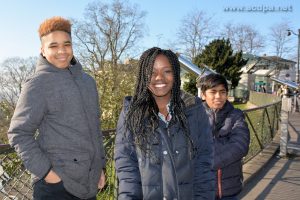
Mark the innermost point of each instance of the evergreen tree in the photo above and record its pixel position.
(190, 85)
(220, 57)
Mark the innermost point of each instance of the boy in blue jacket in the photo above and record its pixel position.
(230, 133)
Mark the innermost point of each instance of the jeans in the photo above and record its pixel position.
(229, 198)
(52, 191)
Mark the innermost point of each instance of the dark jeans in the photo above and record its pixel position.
(52, 191)
(229, 198)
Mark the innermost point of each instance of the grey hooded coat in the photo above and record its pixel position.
(62, 105)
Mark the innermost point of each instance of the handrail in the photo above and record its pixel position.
(17, 172)
(290, 84)
(4, 148)
(192, 68)
(260, 107)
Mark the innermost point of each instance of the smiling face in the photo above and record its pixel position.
(57, 48)
(215, 97)
(162, 79)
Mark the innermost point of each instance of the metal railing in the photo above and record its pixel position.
(263, 123)
(15, 182)
(14, 178)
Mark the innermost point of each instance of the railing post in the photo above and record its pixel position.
(296, 107)
(295, 103)
(285, 108)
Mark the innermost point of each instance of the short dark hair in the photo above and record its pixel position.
(212, 80)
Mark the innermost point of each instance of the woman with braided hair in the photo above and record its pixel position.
(163, 144)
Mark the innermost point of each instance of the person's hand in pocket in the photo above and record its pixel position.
(52, 177)
(101, 182)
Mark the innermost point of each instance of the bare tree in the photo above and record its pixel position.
(243, 38)
(194, 33)
(108, 32)
(280, 41)
(14, 71)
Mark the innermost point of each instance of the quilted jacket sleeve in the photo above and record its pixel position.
(204, 187)
(126, 164)
(235, 145)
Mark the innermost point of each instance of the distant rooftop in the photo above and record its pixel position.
(266, 62)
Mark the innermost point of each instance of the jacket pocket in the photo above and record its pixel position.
(76, 167)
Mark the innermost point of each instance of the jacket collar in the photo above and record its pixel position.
(43, 65)
(226, 108)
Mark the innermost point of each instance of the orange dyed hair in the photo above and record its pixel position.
(54, 24)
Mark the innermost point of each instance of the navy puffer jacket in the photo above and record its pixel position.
(170, 172)
(231, 143)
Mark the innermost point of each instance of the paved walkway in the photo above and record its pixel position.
(279, 179)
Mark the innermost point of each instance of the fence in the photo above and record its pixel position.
(15, 179)
(263, 123)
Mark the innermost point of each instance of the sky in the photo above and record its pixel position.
(20, 19)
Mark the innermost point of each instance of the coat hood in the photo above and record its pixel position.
(223, 111)
(43, 65)
(218, 118)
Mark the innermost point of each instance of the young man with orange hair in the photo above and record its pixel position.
(60, 102)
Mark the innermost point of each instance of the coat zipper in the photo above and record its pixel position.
(172, 161)
(161, 160)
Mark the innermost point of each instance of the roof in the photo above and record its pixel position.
(266, 62)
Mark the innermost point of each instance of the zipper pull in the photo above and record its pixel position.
(219, 183)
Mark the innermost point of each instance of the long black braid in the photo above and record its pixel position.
(143, 106)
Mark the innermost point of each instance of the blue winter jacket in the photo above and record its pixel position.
(231, 143)
(170, 172)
